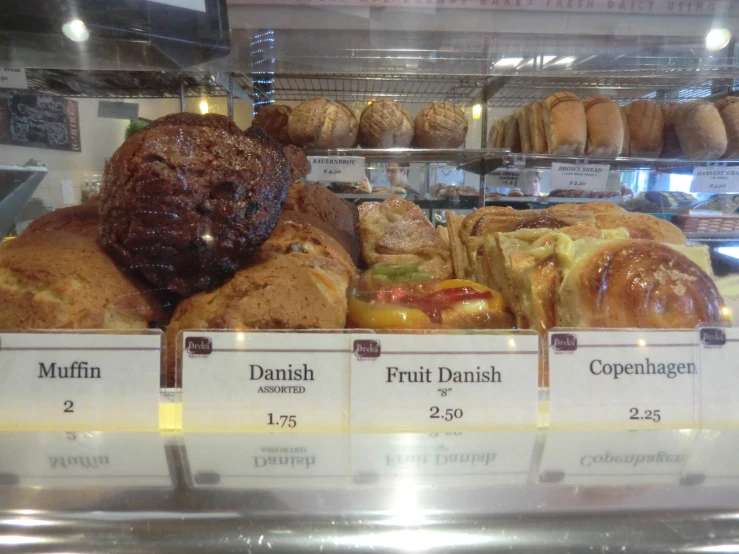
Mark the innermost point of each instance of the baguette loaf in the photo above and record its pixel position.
(565, 124)
(645, 128)
(701, 131)
(729, 109)
(672, 147)
(605, 127)
(512, 136)
(626, 148)
(537, 133)
(523, 130)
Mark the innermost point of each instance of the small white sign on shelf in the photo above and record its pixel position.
(715, 179)
(579, 176)
(444, 382)
(718, 350)
(622, 379)
(13, 78)
(80, 381)
(337, 169)
(265, 382)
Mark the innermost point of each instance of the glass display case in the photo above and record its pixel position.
(369, 275)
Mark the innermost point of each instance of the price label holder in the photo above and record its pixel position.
(339, 169)
(715, 177)
(718, 356)
(712, 460)
(80, 381)
(443, 458)
(265, 382)
(268, 461)
(614, 457)
(82, 459)
(622, 379)
(579, 176)
(430, 382)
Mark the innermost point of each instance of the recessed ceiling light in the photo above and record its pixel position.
(567, 60)
(546, 59)
(508, 62)
(76, 30)
(716, 39)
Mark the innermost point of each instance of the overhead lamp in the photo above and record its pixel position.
(204, 106)
(508, 62)
(76, 30)
(546, 59)
(477, 111)
(567, 60)
(716, 39)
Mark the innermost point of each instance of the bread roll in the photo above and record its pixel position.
(440, 125)
(523, 130)
(636, 283)
(605, 127)
(729, 109)
(274, 118)
(645, 128)
(537, 132)
(323, 123)
(565, 124)
(701, 131)
(671, 147)
(626, 148)
(496, 136)
(385, 124)
(512, 136)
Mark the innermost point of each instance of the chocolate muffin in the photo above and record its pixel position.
(188, 200)
(316, 200)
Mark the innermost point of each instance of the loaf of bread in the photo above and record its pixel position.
(385, 124)
(323, 123)
(512, 136)
(636, 283)
(537, 132)
(671, 147)
(523, 130)
(440, 125)
(499, 135)
(626, 148)
(729, 109)
(274, 118)
(701, 131)
(605, 127)
(645, 128)
(565, 124)
(496, 129)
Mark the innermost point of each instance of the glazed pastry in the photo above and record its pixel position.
(397, 231)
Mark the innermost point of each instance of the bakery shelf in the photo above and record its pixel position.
(544, 161)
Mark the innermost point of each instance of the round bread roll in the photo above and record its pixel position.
(189, 199)
(701, 130)
(440, 125)
(273, 119)
(60, 278)
(728, 107)
(384, 124)
(323, 123)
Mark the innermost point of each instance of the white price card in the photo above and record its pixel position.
(579, 176)
(81, 381)
(718, 353)
(444, 382)
(715, 179)
(13, 78)
(265, 381)
(339, 169)
(622, 379)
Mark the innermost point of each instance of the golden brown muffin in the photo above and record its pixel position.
(323, 123)
(440, 125)
(273, 119)
(292, 291)
(385, 124)
(397, 231)
(64, 280)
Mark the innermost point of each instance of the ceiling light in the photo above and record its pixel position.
(75, 30)
(567, 60)
(508, 62)
(476, 111)
(716, 39)
(546, 59)
(203, 106)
